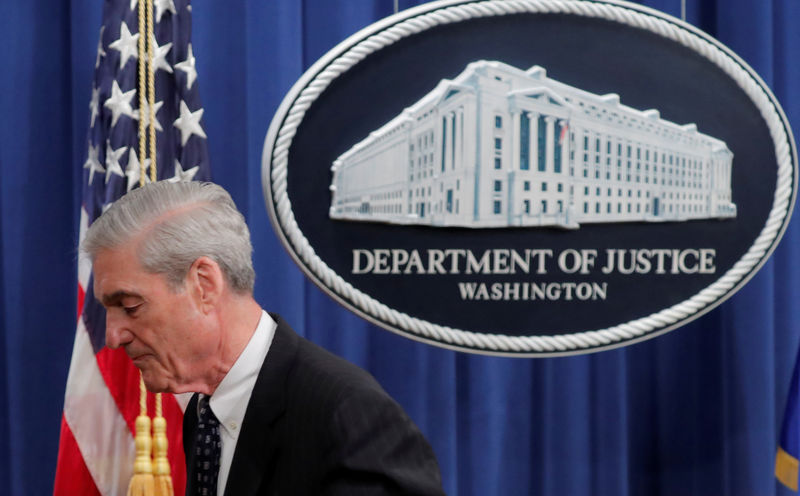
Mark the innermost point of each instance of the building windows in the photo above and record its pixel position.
(498, 122)
(544, 186)
(497, 207)
(526, 205)
(498, 186)
(560, 187)
(544, 206)
(498, 163)
(526, 185)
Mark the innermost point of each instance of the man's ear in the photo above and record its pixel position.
(208, 282)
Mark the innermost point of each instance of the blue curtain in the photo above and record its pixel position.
(693, 412)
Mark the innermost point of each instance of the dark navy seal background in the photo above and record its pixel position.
(695, 412)
(598, 56)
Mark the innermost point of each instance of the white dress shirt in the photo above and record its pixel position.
(230, 399)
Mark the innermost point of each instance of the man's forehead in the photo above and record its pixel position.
(115, 272)
(116, 254)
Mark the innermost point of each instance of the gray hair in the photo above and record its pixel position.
(179, 223)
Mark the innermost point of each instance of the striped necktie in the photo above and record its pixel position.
(207, 446)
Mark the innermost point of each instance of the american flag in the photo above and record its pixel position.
(96, 450)
(788, 456)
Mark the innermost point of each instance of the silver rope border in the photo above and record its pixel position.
(419, 19)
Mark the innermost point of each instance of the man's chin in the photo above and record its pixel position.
(154, 384)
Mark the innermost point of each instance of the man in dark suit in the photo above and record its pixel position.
(274, 413)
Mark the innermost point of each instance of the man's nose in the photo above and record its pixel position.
(117, 334)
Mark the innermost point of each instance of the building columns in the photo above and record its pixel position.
(549, 143)
(514, 149)
(533, 141)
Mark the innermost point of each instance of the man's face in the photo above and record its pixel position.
(163, 331)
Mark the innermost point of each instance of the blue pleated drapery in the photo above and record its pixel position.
(694, 412)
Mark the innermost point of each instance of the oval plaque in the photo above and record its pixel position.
(528, 177)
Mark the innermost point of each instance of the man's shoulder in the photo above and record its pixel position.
(315, 367)
(329, 372)
(344, 431)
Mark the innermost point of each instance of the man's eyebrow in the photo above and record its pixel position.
(115, 297)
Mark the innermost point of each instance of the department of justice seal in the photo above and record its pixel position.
(530, 178)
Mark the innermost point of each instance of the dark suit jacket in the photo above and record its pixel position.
(318, 425)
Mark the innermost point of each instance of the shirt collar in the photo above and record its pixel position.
(230, 399)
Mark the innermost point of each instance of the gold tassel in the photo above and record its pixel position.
(142, 483)
(163, 480)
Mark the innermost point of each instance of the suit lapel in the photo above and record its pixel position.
(257, 447)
